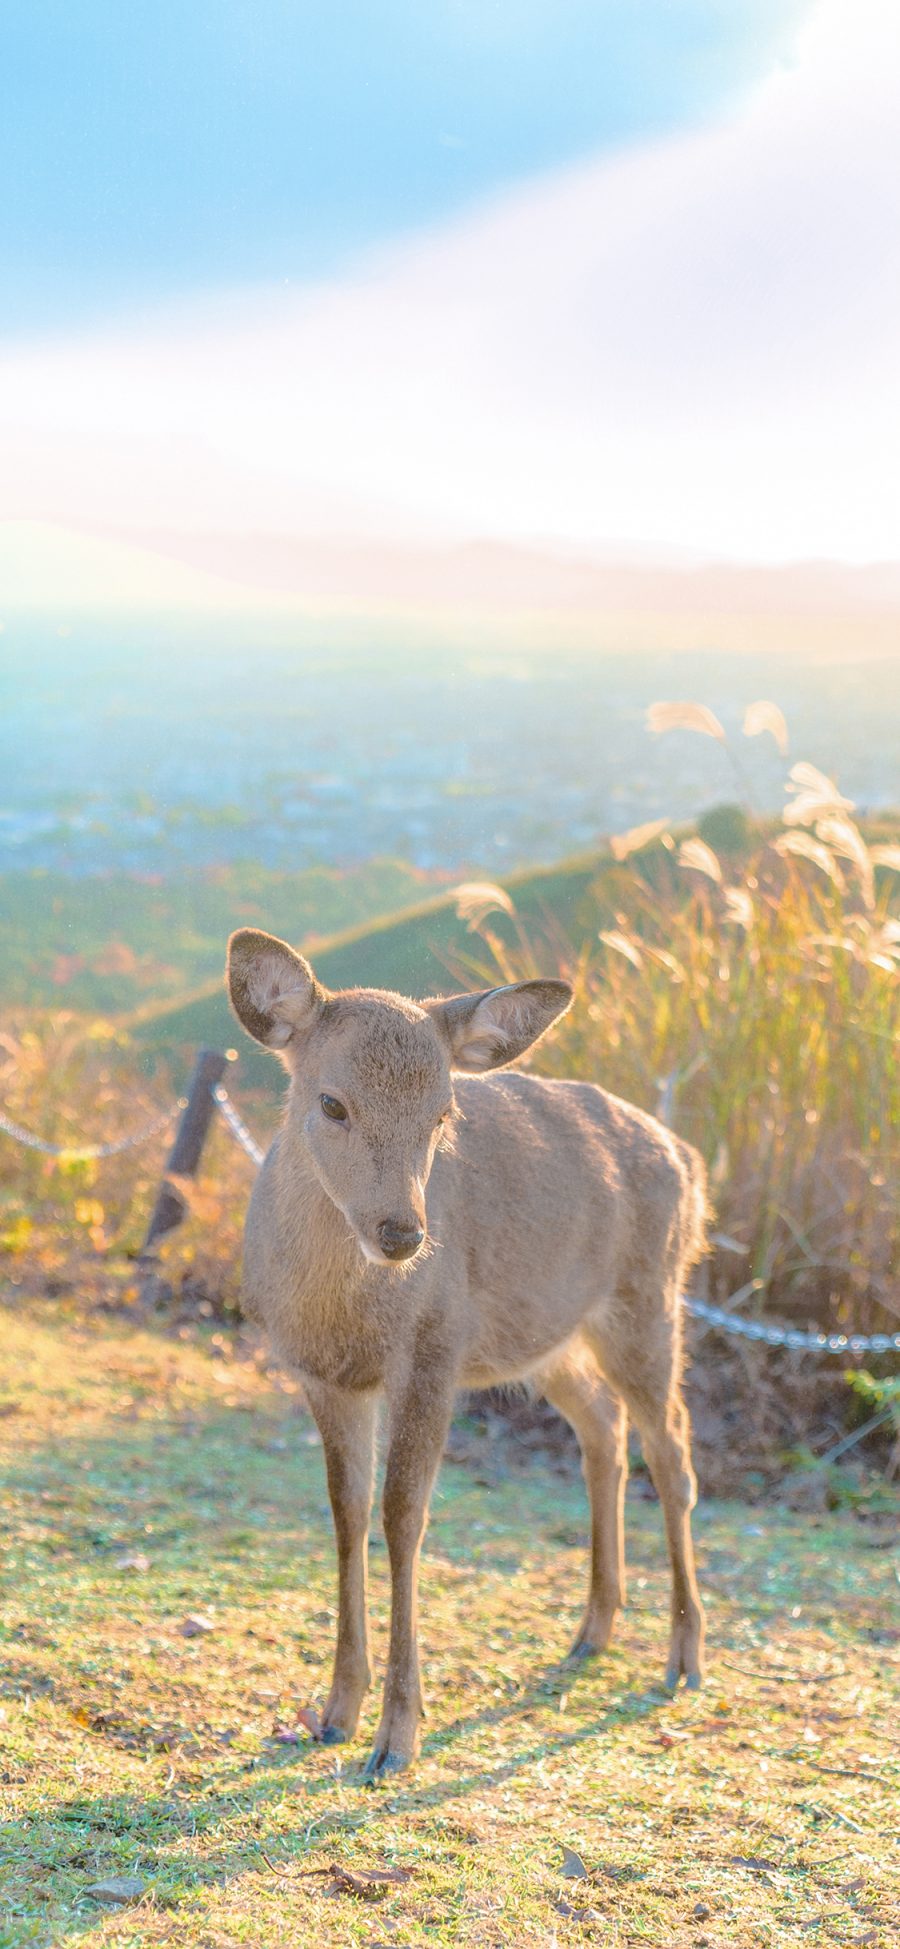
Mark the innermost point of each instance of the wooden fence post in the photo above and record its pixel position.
(183, 1161)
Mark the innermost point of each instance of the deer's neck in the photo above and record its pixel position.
(321, 1310)
(315, 1235)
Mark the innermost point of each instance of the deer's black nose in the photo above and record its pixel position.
(399, 1241)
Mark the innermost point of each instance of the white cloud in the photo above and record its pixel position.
(693, 345)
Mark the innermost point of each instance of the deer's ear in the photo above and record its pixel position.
(486, 1031)
(272, 990)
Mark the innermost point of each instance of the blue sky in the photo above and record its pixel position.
(599, 277)
(152, 148)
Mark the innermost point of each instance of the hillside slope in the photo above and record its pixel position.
(422, 950)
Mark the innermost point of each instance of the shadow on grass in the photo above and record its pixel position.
(236, 1505)
(163, 1825)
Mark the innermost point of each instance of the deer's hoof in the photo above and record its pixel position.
(583, 1647)
(380, 1764)
(332, 1736)
(593, 1635)
(692, 1680)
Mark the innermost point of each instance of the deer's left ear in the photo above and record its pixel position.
(485, 1031)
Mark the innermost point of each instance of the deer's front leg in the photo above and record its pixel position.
(419, 1420)
(347, 1426)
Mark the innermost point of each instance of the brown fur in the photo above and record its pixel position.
(561, 1223)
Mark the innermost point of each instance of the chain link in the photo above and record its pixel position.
(237, 1125)
(81, 1153)
(792, 1336)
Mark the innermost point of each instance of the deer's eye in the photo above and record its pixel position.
(333, 1109)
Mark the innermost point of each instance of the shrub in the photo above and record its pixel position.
(727, 829)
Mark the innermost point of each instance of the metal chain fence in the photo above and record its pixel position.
(237, 1126)
(792, 1336)
(81, 1153)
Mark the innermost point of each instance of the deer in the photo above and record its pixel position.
(429, 1219)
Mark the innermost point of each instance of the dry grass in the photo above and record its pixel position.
(75, 1225)
(757, 1813)
(754, 1002)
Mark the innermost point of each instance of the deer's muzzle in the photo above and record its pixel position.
(399, 1241)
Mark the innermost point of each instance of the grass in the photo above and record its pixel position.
(752, 999)
(150, 1477)
(106, 944)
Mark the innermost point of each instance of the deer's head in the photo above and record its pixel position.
(372, 1086)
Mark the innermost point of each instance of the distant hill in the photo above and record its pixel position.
(422, 950)
(507, 594)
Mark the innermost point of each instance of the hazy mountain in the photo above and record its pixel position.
(503, 592)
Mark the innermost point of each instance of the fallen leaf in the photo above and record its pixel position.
(370, 1886)
(116, 1890)
(195, 1625)
(573, 1867)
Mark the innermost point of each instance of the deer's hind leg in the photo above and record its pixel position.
(578, 1389)
(647, 1372)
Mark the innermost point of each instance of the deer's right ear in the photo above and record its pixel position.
(273, 991)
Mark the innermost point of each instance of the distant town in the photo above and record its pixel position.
(151, 756)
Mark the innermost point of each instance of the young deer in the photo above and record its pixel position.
(560, 1225)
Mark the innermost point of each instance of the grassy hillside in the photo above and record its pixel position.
(420, 951)
(105, 944)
